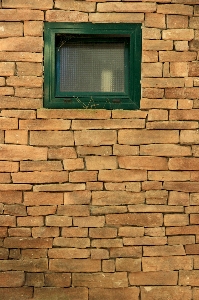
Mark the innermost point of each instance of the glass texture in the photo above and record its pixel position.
(92, 67)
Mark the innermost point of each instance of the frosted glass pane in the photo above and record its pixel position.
(92, 67)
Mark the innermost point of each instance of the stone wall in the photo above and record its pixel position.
(98, 204)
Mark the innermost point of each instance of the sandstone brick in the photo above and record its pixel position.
(59, 187)
(95, 186)
(151, 185)
(184, 164)
(40, 166)
(120, 175)
(18, 137)
(45, 232)
(33, 253)
(88, 150)
(152, 69)
(21, 293)
(103, 232)
(175, 9)
(7, 220)
(30, 221)
(82, 176)
(6, 91)
(122, 197)
(181, 240)
(73, 210)
(128, 264)
(164, 250)
(177, 21)
(69, 253)
(26, 92)
(151, 33)
(178, 198)
(107, 243)
(149, 56)
(152, 93)
(176, 220)
(169, 175)
(58, 221)
(21, 57)
(33, 28)
(174, 56)
(77, 197)
(52, 124)
(106, 280)
(155, 20)
(41, 210)
(20, 44)
(75, 265)
(91, 221)
(15, 242)
(73, 164)
(24, 103)
(98, 163)
(167, 293)
(74, 232)
(108, 209)
(138, 219)
(134, 137)
(182, 45)
(10, 197)
(155, 208)
(99, 254)
(16, 232)
(116, 17)
(178, 69)
(154, 45)
(51, 138)
(14, 187)
(110, 124)
(40, 4)
(188, 277)
(95, 137)
(146, 163)
(189, 136)
(108, 266)
(58, 279)
(66, 16)
(194, 22)
(40, 177)
(53, 292)
(4, 253)
(42, 198)
(163, 82)
(29, 69)
(157, 114)
(62, 153)
(20, 15)
(131, 231)
(7, 68)
(11, 29)
(73, 114)
(15, 210)
(125, 150)
(166, 263)
(146, 240)
(77, 5)
(129, 114)
(34, 279)
(27, 81)
(126, 7)
(153, 278)
(182, 186)
(165, 150)
(178, 34)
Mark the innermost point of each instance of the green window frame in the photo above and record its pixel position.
(58, 34)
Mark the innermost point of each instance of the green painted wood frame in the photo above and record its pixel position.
(130, 99)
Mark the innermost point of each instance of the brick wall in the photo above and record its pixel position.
(99, 204)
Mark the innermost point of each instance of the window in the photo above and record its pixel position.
(92, 65)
